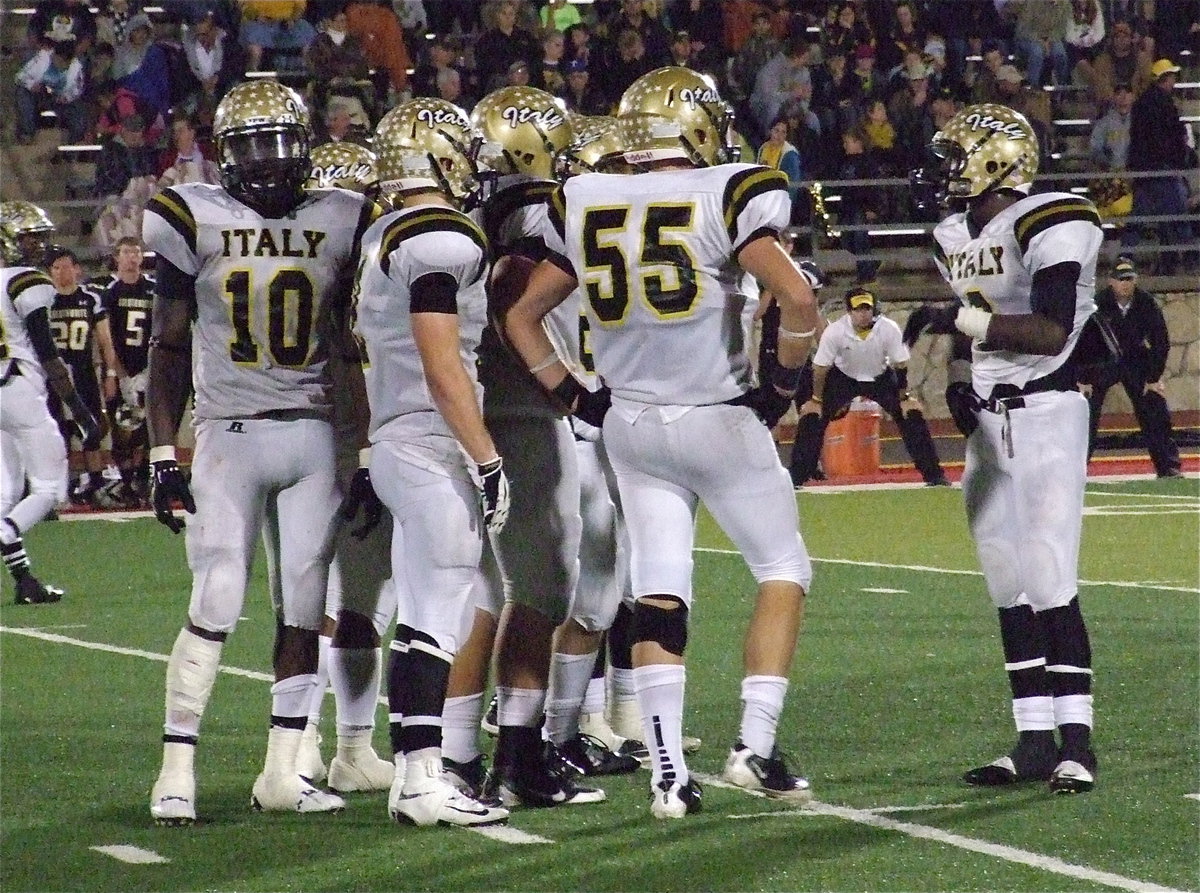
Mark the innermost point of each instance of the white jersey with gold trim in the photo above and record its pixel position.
(994, 269)
(655, 257)
(399, 249)
(22, 290)
(266, 292)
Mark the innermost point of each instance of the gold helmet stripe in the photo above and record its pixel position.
(1051, 214)
(23, 281)
(428, 220)
(174, 210)
(745, 186)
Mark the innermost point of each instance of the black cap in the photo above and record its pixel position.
(1124, 269)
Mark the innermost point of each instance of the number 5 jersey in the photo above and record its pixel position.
(267, 292)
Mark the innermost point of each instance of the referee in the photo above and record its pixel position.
(862, 354)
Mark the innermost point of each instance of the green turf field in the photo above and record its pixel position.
(897, 688)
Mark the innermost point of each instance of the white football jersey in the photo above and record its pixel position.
(655, 257)
(994, 269)
(22, 290)
(399, 249)
(266, 292)
(862, 356)
(514, 220)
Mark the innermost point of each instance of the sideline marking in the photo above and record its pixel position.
(508, 834)
(925, 832)
(883, 591)
(1193, 796)
(875, 810)
(132, 855)
(1127, 584)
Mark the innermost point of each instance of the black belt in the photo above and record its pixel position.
(13, 370)
(1009, 396)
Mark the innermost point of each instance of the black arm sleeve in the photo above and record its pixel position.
(37, 325)
(171, 282)
(434, 293)
(1053, 293)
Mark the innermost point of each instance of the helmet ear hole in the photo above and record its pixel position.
(992, 167)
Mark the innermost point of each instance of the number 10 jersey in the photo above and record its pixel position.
(655, 255)
(267, 291)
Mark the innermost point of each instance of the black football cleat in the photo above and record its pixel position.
(1033, 759)
(1075, 773)
(590, 757)
(31, 591)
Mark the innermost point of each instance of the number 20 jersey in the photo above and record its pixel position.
(994, 268)
(655, 257)
(265, 292)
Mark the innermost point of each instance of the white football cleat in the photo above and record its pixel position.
(173, 799)
(276, 792)
(672, 800)
(769, 775)
(430, 799)
(597, 726)
(308, 758)
(363, 771)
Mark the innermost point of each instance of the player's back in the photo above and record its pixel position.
(655, 256)
(265, 292)
(22, 290)
(398, 249)
(994, 269)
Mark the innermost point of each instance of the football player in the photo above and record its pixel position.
(33, 450)
(248, 273)
(420, 311)
(658, 255)
(128, 298)
(538, 552)
(357, 613)
(1023, 267)
(79, 323)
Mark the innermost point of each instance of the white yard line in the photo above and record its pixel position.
(509, 834)
(132, 855)
(883, 591)
(1126, 584)
(872, 818)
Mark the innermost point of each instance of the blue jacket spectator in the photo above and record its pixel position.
(141, 66)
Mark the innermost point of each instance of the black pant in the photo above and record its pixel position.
(840, 389)
(1152, 415)
(87, 385)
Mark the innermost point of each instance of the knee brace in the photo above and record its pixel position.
(667, 627)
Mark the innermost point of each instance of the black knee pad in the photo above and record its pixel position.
(667, 627)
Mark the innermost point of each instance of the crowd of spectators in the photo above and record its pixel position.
(852, 88)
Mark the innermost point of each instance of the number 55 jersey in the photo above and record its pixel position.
(267, 291)
(655, 255)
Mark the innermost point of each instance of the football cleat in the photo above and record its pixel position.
(432, 800)
(770, 775)
(32, 591)
(276, 792)
(541, 782)
(490, 724)
(589, 756)
(1074, 776)
(596, 725)
(1033, 759)
(364, 771)
(634, 748)
(173, 799)
(672, 800)
(308, 757)
(468, 777)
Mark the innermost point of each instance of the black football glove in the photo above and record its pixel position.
(814, 274)
(86, 424)
(361, 497)
(167, 483)
(593, 405)
(493, 494)
(936, 318)
(963, 406)
(768, 404)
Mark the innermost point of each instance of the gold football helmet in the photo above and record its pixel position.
(596, 147)
(980, 150)
(23, 231)
(675, 112)
(527, 124)
(428, 143)
(345, 166)
(262, 133)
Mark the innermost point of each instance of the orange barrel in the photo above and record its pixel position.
(852, 442)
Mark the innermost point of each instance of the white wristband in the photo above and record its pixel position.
(364, 457)
(973, 321)
(162, 454)
(549, 360)
(788, 335)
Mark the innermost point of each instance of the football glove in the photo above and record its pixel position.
(814, 274)
(592, 406)
(937, 318)
(768, 404)
(86, 423)
(167, 483)
(963, 406)
(361, 497)
(493, 494)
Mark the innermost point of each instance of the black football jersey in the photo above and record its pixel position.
(128, 306)
(73, 320)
